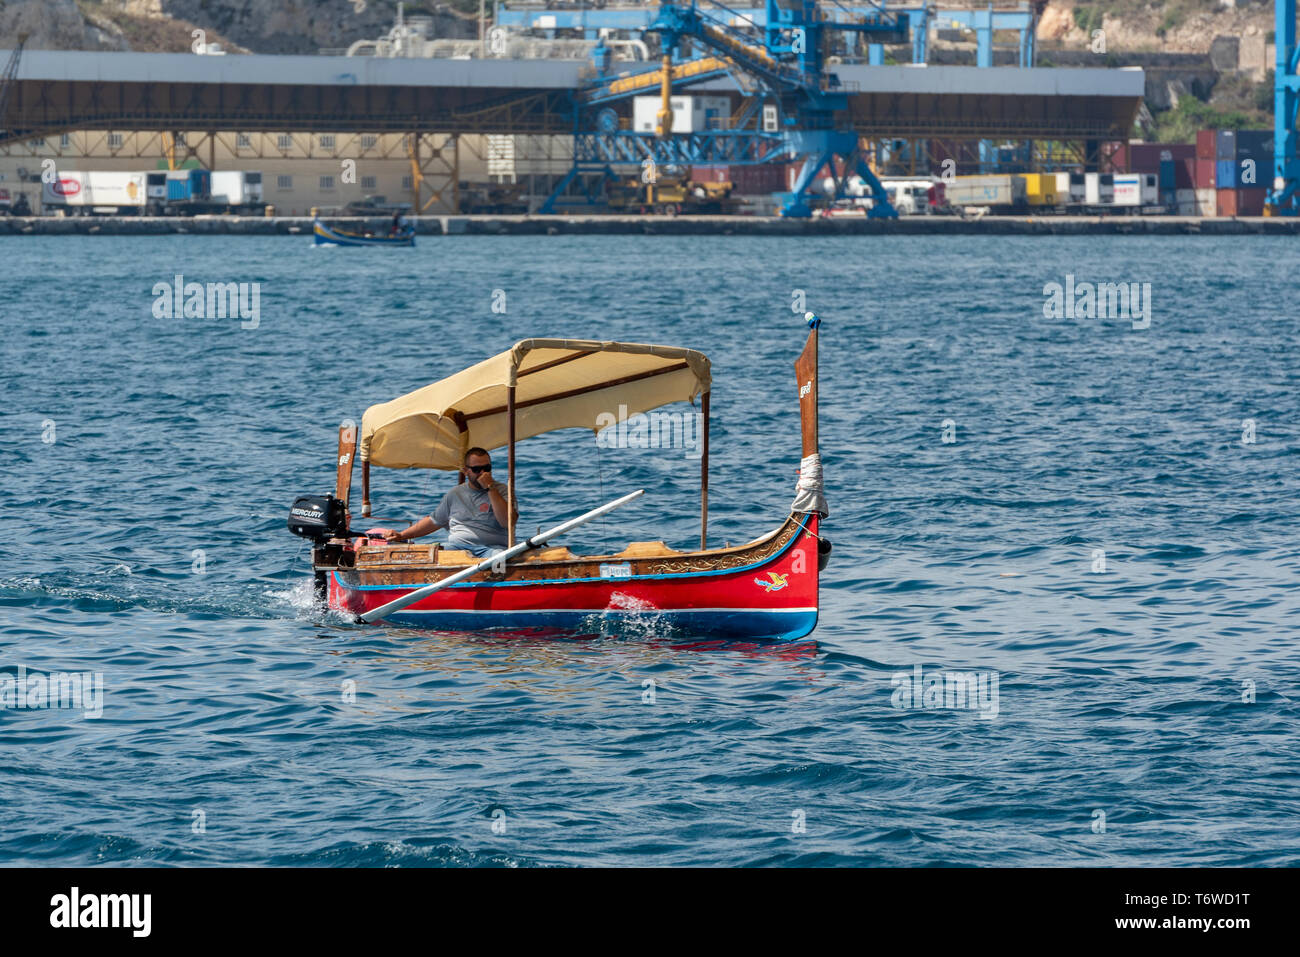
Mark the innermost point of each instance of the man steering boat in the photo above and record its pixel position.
(474, 512)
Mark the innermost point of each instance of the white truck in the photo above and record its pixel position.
(1091, 192)
(1134, 192)
(1075, 189)
(910, 197)
(155, 192)
(81, 193)
(1098, 190)
(1000, 193)
(240, 191)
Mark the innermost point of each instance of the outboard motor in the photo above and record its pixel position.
(319, 518)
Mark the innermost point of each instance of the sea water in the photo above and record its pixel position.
(1059, 625)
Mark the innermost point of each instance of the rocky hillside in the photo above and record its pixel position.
(253, 26)
(1208, 63)
(305, 26)
(1136, 26)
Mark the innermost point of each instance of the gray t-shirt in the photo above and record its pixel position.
(466, 513)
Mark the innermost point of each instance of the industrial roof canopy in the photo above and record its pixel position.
(56, 91)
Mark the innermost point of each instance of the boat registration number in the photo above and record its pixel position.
(616, 571)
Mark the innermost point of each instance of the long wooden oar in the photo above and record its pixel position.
(541, 538)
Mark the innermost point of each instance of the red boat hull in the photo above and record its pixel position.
(766, 590)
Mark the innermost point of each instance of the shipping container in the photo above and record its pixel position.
(1205, 144)
(188, 185)
(1186, 209)
(1206, 204)
(1254, 174)
(1256, 145)
(1041, 189)
(178, 185)
(756, 180)
(1167, 177)
(1250, 202)
(1225, 174)
(1147, 157)
(1001, 192)
(710, 174)
(691, 114)
(1204, 174)
(1254, 158)
(1225, 145)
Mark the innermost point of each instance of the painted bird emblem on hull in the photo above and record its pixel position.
(774, 582)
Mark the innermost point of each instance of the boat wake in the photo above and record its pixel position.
(124, 592)
(299, 597)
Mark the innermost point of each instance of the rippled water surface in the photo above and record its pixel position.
(1146, 713)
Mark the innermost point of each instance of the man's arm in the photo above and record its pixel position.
(496, 494)
(416, 529)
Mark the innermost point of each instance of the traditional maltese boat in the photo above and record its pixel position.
(331, 236)
(765, 589)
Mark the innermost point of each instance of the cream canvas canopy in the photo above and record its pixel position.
(548, 383)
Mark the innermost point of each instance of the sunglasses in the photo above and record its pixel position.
(476, 469)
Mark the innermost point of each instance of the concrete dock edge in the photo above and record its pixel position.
(574, 225)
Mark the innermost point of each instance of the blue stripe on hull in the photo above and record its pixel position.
(762, 625)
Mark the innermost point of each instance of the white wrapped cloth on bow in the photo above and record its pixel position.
(808, 496)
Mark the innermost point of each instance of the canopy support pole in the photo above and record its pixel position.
(365, 488)
(510, 469)
(459, 418)
(704, 475)
(347, 454)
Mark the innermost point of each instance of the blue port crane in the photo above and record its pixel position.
(591, 21)
(1285, 195)
(786, 72)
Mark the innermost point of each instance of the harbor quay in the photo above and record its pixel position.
(535, 225)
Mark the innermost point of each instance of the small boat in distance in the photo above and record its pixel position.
(324, 235)
(765, 589)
